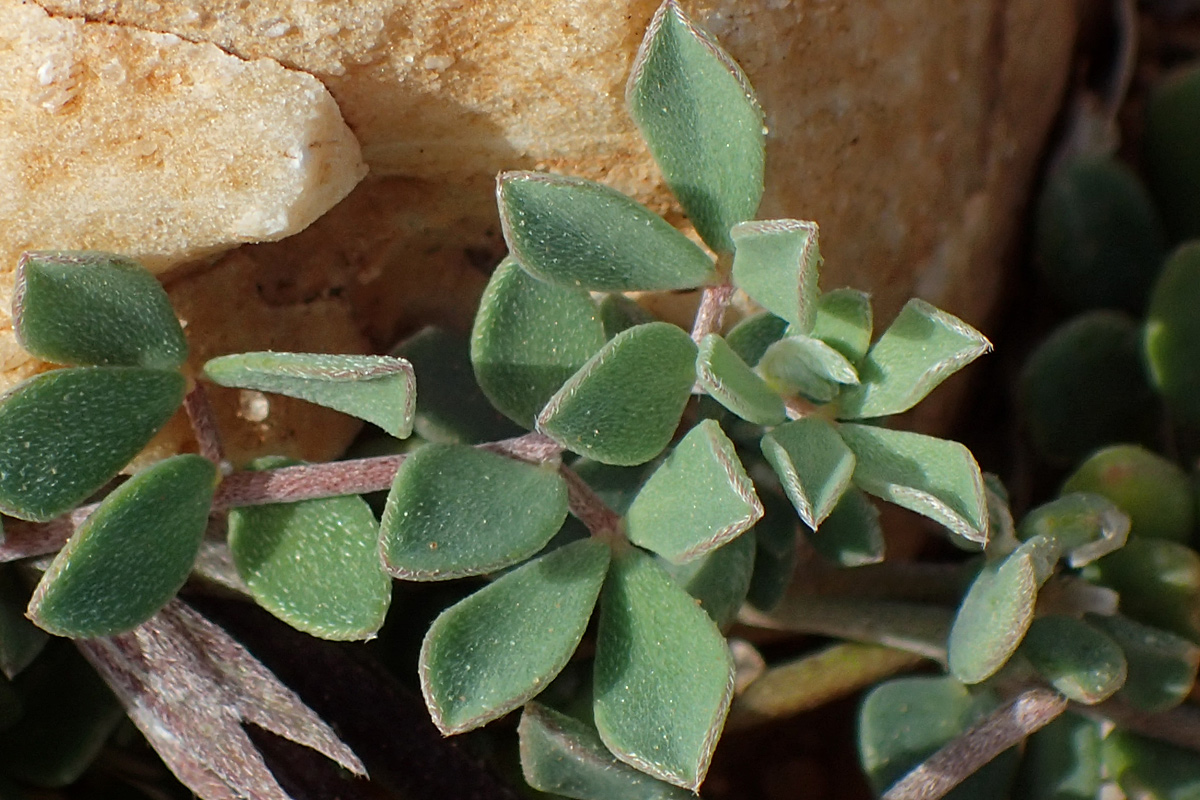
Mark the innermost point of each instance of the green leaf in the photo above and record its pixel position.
(1155, 493)
(69, 714)
(455, 510)
(20, 639)
(663, 675)
(90, 308)
(451, 408)
(777, 263)
(813, 463)
(774, 553)
(933, 477)
(1076, 659)
(921, 348)
(1086, 526)
(844, 322)
(1172, 333)
(619, 313)
(851, 535)
(131, 555)
(616, 486)
(1171, 156)
(751, 337)
(314, 564)
(379, 389)
(1162, 666)
(1062, 761)
(492, 651)
(584, 235)
(795, 361)
(1098, 239)
(735, 385)
(1148, 769)
(904, 721)
(1159, 584)
(719, 579)
(562, 755)
(529, 338)
(1085, 386)
(623, 405)
(997, 610)
(697, 500)
(701, 121)
(64, 434)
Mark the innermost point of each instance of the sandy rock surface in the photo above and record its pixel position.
(146, 144)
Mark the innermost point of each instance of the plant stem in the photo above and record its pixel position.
(711, 314)
(816, 679)
(204, 426)
(960, 758)
(600, 520)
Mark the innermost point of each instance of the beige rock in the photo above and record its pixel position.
(908, 130)
(113, 138)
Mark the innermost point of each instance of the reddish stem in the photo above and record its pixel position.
(204, 424)
(711, 313)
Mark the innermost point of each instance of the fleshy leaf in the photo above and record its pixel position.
(844, 322)
(314, 564)
(719, 579)
(562, 755)
(379, 389)
(451, 408)
(529, 338)
(663, 674)
(131, 555)
(93, 309)
(997, 610)
(851, 535)
(751, 337)
(731, 382)
(624, 404)
(20, 639)
(791, 360)
(933, 477)
(1172, 334)
(1062, 761)
(1086, 526)
(1076, 659)
(64, 434)
(1171, 158)
(777, 263)
(775, 552)
(903, 721)
(69, 713)
(699, 117)
(585, 235)
(619, 313)
(921, 348)
(696, 501)
(813, 463)
(492, 651)
(1085, 386)
(455, 510)
(1162, 666)
(1159, 584)
(1157, 495)
(1148, 769)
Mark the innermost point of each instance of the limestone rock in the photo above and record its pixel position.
(114, 138)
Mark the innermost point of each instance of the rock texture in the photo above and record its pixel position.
(146, 144)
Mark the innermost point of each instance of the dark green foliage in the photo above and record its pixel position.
(1099, 241)
(1085, 386)
(1156, 494)
(719, 579)
(1149, 769)
(64, 434)
(1162, 666)
(1159, 583)
(1172, 335)
(1076, 659)
(94, 309)
(1172, 150)
(751, 337)
(1062, 761)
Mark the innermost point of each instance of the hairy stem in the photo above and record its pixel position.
(959, 759)
(711, 313)
(600, 520)
(204, 426)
